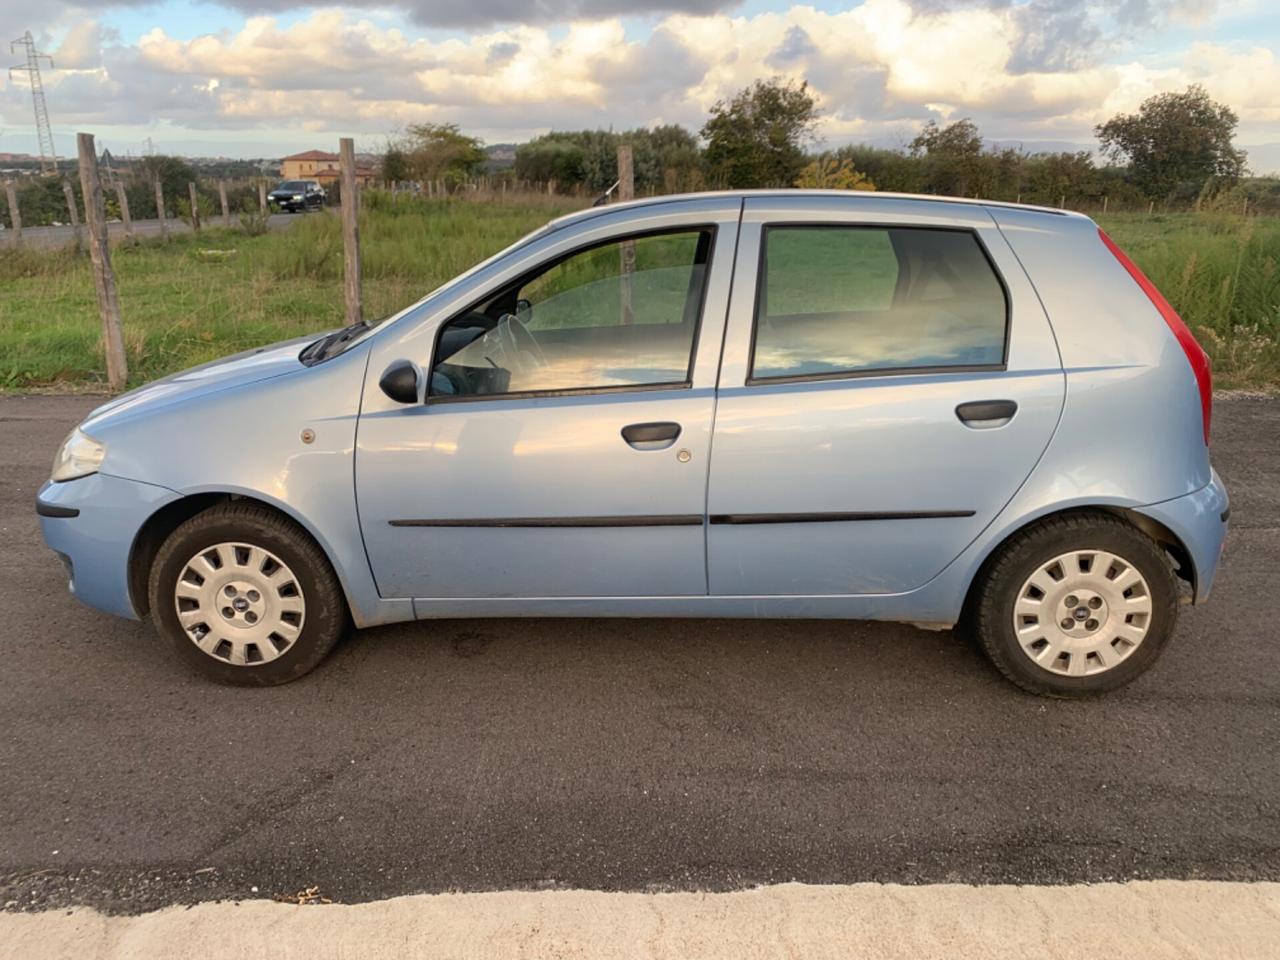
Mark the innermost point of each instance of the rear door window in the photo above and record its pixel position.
(847, 300)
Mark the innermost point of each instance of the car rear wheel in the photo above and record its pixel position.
(1076, 605)
(246, 597)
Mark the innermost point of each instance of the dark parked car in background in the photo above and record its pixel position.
(297, 195)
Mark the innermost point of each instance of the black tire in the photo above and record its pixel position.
(326, 617)
(995, 596)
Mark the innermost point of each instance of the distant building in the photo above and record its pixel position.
(321, 166)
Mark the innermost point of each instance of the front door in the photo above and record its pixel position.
(889, 381)
(563, 448)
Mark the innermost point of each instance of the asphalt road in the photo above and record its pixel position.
(50, 237)
(475, 755)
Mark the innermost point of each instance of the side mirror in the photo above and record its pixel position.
(402, 382)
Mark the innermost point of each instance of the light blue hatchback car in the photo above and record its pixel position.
(761, 404)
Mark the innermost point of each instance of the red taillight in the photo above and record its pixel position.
(1196, 356)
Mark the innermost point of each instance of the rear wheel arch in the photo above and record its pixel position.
(158, 527)
(1157, 531)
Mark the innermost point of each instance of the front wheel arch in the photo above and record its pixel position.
(158, 527)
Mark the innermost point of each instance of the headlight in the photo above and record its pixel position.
(79, 456)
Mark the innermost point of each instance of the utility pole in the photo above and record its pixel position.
(44, 132)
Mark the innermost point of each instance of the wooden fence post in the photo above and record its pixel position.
(1151, 208)
(350, 231)
(164, 223)
(627, 250)
(15, 215)
(1104, 203)
(262, 195)
(123, 199)
(195, 206)
(75, 213)
(104, 279)
(222, 198)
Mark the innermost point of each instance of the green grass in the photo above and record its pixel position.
(827, 270)
(194, 300)
(197, 299)
(1222, 275)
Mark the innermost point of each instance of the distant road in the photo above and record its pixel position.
(61, 236)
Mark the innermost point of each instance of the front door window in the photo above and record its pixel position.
(618, 315)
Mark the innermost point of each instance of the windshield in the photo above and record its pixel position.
(293, 185)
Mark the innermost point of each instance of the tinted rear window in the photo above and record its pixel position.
(837, 299)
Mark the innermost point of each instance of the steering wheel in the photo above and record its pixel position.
(520, 342)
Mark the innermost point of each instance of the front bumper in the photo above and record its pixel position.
(1199, 520)
(91, 523)
(288, 203)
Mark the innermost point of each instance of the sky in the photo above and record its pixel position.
(261, 78)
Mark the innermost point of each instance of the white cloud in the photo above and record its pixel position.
(880, 67)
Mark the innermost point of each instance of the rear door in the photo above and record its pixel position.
(889, 381)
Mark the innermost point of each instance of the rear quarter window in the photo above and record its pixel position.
(846, 300)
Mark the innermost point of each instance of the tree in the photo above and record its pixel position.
(1176, 141)
(757, 138)
(830, 173)
(174, 174)
(395, 165)
(888, 169)
(1049, 177)
(952, 157)
(550, 157)
(440, 151)
(664, 158)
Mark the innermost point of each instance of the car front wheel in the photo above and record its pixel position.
(1076, 605)
(246, 597)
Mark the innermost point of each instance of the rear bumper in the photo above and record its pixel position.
(91, 523)
(1200, 521)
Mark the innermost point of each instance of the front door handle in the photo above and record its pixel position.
(983, 414)
(651, 436)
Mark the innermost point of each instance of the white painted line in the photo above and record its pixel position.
(1135, 921)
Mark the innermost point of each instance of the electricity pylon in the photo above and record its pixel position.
(44, 132)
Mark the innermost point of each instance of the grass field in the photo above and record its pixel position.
(193, 299)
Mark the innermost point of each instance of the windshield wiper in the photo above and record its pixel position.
(319, 350)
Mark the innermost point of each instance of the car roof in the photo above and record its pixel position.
(785, 194)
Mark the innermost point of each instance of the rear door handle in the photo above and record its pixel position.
(982, 414)
(651, 436)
